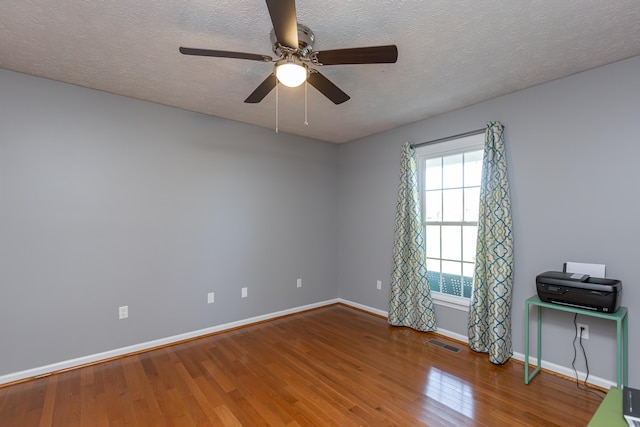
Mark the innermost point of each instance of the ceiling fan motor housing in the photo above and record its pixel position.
(306, 38)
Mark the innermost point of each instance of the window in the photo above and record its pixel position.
(450, 174)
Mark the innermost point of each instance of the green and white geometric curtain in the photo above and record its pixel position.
(410, 298)
(490, 307)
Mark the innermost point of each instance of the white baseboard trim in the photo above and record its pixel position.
(363, 307)
(563, 370)
(84, 360)
(453, 335)
(553, 367)
(440, 331)
(72, 363)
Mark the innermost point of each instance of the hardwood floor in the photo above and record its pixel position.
(331, 366)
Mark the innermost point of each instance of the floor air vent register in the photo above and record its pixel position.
(444, 345)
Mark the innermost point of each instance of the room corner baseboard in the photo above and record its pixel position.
(363, 307)
(66, 365)
(445, 333)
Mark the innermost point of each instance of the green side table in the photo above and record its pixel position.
(609, 413)
(622, 336)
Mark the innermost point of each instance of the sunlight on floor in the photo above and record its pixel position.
(450, 391)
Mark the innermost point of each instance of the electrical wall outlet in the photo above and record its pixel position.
(123, 312)
(244, 292)
(379, 285)
(584, 330)
(299, 283)
(210, 298)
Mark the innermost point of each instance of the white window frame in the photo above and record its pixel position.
(441, 149)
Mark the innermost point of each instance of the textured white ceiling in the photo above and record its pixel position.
(451, 53)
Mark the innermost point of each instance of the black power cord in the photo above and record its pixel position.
(586, 362)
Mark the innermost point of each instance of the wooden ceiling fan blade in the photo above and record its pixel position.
(225, 54)
(285, 24)
(263, 90)
(327, 88)
(360, 55)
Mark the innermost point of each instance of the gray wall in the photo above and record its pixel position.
(572, 151)
(109, 201)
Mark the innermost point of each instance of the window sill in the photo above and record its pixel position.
(450, 301)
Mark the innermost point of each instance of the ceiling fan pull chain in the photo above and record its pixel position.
(277, 84)
(306, 122)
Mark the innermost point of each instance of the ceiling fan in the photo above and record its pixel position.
(293, 45)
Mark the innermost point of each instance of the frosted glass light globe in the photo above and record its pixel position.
(291, 74)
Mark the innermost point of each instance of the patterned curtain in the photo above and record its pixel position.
(490, 307)
(410, 298)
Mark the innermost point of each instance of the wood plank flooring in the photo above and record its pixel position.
(331, 366)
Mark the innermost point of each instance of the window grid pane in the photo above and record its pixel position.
(469, 240)
(471, 203)
(452, 171)
(433, 241)
(451, 278)
(451, 242)
(433, 174)
(433, 274)
(472, 168)
(452, 205)
(433, 205)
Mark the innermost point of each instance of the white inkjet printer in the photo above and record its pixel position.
(579, 290)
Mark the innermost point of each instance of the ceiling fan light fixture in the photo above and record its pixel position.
(291, 73)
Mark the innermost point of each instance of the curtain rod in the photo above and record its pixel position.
(449, 138)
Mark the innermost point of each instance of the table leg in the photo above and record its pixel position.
(527, 377)
(625, 346)
(618, 351)
(526, 343)
(539, 338)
